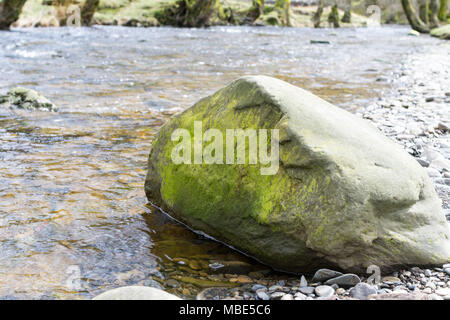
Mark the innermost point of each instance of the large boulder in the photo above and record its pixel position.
(344, 195)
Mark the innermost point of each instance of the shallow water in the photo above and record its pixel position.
(73, 215)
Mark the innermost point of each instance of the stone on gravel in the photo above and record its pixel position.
(324, 291)
(136, 293)
(287, 297)
(323, 275)
(345, 281)
(443, 291)
(362, 290)
(338, 179)
(262, 295)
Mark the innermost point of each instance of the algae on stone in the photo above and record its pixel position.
(344, 197)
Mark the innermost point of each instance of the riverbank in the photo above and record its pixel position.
(144, 13)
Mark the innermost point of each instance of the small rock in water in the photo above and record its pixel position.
(262, 295)
(345, 281)
(323, 275)
(287, 297)
(324, 291)
(362, 290)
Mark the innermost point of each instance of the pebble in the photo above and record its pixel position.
(303, 282)
(258, 287)
(262, 295)
(323, 275)
(362, 290)
(299, 296)
(324, 291)
(443, 291)
(287, 297)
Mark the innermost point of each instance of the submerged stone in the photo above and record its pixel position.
(344, 195)
(23, 98)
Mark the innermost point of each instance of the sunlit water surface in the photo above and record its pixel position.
(73, 215)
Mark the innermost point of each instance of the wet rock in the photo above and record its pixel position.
(303, 282)
(323, 275)
(362, 290)
(345, 281)
(23, 98)
(136, 293)
(383, 178)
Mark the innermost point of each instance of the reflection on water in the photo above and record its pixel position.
(73, 214)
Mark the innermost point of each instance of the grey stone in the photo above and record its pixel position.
(324, 291)
(136, 293)
(323, 275)
(262, 295)
(23, 98)
(362, 290)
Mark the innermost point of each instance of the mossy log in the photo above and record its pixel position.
(318, 15)
(414, 20)
(333, 17)
(187, 13)
(9, 12)
(88, 10)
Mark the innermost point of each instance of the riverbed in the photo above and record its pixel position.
(74, 220)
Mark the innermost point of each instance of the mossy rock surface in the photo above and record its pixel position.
(441, 32)
(344, 196)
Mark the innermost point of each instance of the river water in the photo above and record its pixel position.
(74, 220)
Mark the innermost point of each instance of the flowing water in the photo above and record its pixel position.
(74, 220)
